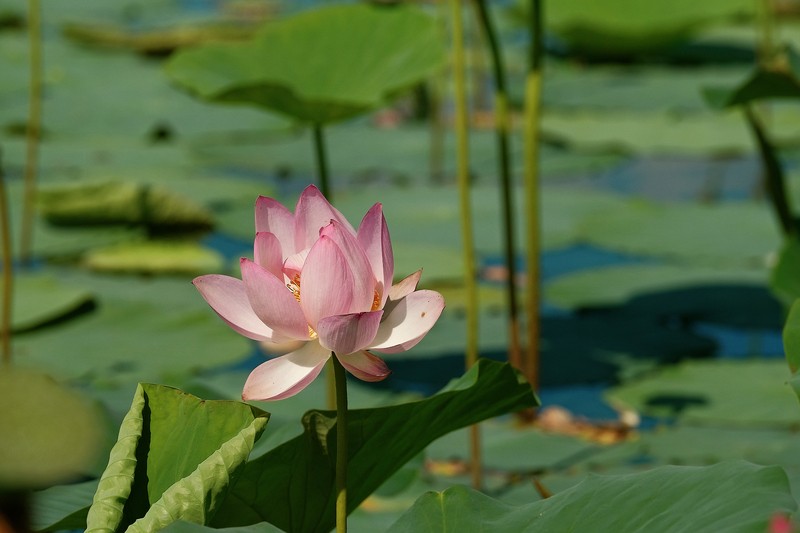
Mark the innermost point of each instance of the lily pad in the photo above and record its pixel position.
(143, 330)
(320, 66)
(650, 501)
(785, 276)
(41, 299)
(689, 232)
(121, 203)
(614, 285)
(40, 449)
(734, 393)
(155, 257)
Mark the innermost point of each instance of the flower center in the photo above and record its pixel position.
(376, 301)
(294, 286)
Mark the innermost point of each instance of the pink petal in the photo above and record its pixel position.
(273, 217)
(401, 289)
(364, 279)
(345, 334)
(312, 213)
(373, 236)
(267, 253)
(405, 286)
(365, 366)
(286, 375)
(326, 284)
(408, 322)
(293, 265)
(227, 297)
(273, 302)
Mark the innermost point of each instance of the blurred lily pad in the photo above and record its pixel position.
(38, 300)
(734, 393)
(614, 285)
(154, 329)
(319, 66)
(40, 449)
(785, 276)
(731, 234)
(155, 257)
(121, 203)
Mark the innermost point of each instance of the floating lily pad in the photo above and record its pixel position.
(121, 203)
(614, 285)
(143, 330)
(155, 257)
(732, 234)
(625, 29)
(41, 299)
(663, 132)
(320, 66)
(734, 393)
(785, 276)
(40, 449)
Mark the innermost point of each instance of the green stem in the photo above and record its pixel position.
(8, 287)
(503, 129)
(462, 152)
(341, 445)
(321, 157)
(533, 91)
(33, 131)
(773, 173)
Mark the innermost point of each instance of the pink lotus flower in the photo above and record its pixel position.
(316, 279)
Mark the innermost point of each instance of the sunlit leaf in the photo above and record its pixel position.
(651, 501)
(292, 486)
(174, 460)
(320, 66)
(155, 257)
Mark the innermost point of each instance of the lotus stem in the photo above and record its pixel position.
(773, 174)
(321, 157)
(462, 166)
(341, 445)
(33, 130)
(503, 129)
(533, 91)
(8, 274)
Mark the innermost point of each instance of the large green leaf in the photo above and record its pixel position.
(320, 66)
(791, 343)
(698, 499)
(293, 487)
(174, 460)
(50, 433)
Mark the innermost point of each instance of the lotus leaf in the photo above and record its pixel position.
(51, 434)
(155, 257)
(121, 203)
(320, 66)
(644, 502)
(153, 478)
(748, 393)
(39, 299)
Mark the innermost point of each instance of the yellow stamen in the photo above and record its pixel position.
(376, 301)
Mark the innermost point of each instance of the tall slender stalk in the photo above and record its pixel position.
(8, 286)
(341, 444)
(321, 157)
(34, 127)
(773, 174)
(533, 91)
(503, 130)
(462, 166)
